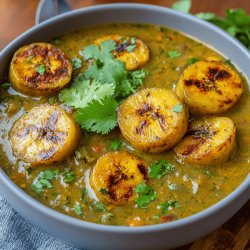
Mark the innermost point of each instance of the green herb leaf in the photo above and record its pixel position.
(103, 191)
(192, 60)
(98, 117)
(40, 69)
(43, 180)
(182, 5)
(174, 54)
(106, 69)
(132, 40)
(77, 63)
(166, 205)
(145, 195)
(178, 108)
(115, 145)
(236, 22)
(100, 207)
(131, 47)
(84, 192)
(83, 92)
(78, 209)
(69, 176)
(5, 85)
(160, 168)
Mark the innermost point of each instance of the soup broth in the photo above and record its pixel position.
(182, 192)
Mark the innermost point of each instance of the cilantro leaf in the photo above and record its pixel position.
(82, 92)
(182, 5)
(192, 60)
(40, 69)
(43, 180)
(174, 54)
(177, 108)
(98, 117)
(145, 195)
(100, 207)
(131, 84)
(166, 205)
(106, 69)
(115, 144)
(103, 54)
(131, 47)
(160, 168)
(78, 209)
(77, 63)
(69, 176)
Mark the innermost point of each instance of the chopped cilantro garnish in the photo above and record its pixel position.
(57, 41)
(160, 168)
(43, 180)
(192, 60)
(166, 205)
(84, 192)
(131, 47)
(178, 108)
(98, 117)
(5, 85)
(115, 144)
(145, 195)
(132, 40)
(40, 69)
(182, 5)
(77, 63)
(78, 209)
(103, 191)
(69, 176)
(174, 54)
(100, 207)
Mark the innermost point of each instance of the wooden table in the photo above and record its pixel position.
(17, 16)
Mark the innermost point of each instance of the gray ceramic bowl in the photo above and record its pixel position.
(94, 236)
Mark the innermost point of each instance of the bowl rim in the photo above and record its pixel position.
(49, 212)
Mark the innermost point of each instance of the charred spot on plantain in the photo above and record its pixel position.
(160, 119)
(215, 74)
(49, 131)
(27, 130)
(143, 170)
(200, 133)
(146, 107)
(114, 180)
(191, 148)
(47, 154)
(141, 126)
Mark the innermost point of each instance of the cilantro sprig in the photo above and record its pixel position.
(160, 168)
(44, 180)
(167, 204)
(97, 93)
(145, 195)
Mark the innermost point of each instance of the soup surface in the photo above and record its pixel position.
(184, 189)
